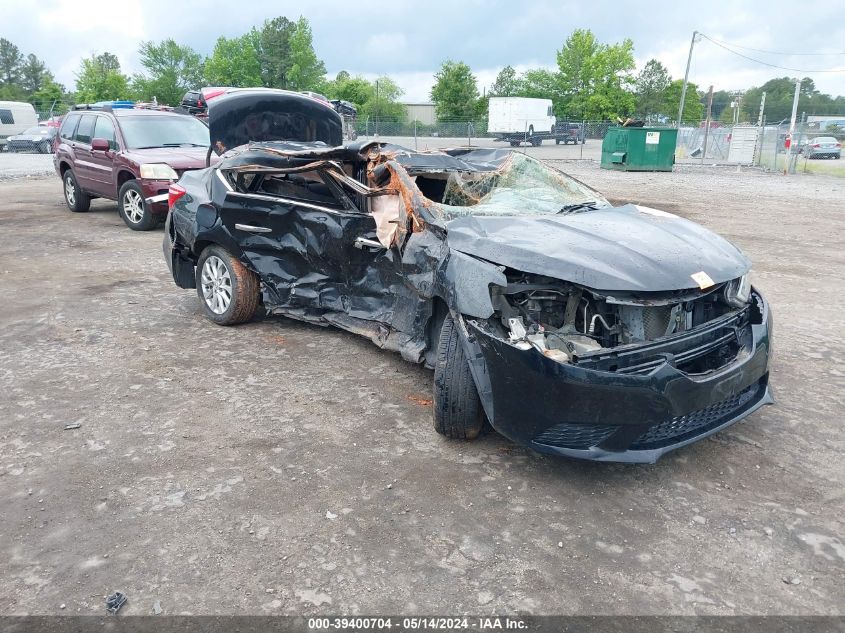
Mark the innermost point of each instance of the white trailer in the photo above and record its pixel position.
(15, 117)
(517, 119)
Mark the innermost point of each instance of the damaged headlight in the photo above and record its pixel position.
(158, 171)
(738, 291)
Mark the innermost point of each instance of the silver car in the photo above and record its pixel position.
(823, 147)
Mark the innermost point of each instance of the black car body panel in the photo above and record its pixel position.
(627, 248)
(371, 238)
(241, 116)
(553, 407)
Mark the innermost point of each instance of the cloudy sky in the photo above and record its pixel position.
(409, 40)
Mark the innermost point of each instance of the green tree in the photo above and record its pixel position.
(33, 74)
(651, 87)
(306, 72)
(12, 92)
(507, 83)
(539, 83)
(455, 92)
(383, 103)
(693, 107)
(234, 62)
(100, 79)
(274, 52)
(721, 104)
(171, 70)
(595, 78)
(49, 95)
(779, 95)
(11, 60)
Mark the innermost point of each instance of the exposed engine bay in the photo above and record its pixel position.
(567, 323)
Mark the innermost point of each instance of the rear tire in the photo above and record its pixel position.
(457, 408)
(228, 290)
(76, 199)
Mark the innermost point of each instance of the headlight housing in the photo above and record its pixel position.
(158, 171)
(738, 291)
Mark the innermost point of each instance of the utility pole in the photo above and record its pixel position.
(707, 122)
(762, 107)
(377, 108)
(686, 78)
(790, 168)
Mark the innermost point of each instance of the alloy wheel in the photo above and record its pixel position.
(70, 191)
(133, 206)
(216, 285)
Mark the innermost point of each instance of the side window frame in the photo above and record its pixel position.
(71, 127)
(113, 144)
(81, 119)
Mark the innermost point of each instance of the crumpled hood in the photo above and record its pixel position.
(629, 248)
(179, 158)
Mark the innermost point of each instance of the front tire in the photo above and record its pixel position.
(227, 289)
(75, 199)
(457, 408)
(133, 209)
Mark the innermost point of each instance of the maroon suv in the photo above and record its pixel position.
(129, 155)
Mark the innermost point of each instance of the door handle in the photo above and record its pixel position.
(252, 229)
(363, 242)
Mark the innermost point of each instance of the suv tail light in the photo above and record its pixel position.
(174, 192)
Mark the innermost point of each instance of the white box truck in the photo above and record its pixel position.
(15, 117)
(517, 119)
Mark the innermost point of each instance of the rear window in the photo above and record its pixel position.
(86, 126)
(69, 126)
(6, 117)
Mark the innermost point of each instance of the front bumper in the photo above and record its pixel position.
(602, 415)
(155, 195)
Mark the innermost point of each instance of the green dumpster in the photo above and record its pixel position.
(639, 148)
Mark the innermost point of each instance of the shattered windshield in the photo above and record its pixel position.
(521, 186)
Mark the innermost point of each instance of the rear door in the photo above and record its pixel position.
(102, 163)
(83, 168)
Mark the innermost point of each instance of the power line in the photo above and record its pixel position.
(759, 61)
(759, 50)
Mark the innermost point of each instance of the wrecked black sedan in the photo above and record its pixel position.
(572, 326)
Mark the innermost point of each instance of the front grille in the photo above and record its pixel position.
(687, 426)
(578, 436)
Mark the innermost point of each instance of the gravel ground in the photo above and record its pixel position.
(278, 467)
(25, 165)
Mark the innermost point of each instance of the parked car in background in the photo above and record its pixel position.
(15, 118)
(195, 102)
(129, 155)
(570, 132)
(37, 139)
(574, 327)
(822, 147)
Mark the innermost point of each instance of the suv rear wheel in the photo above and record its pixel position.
(227, 289)
(133, 209)
(76, 199)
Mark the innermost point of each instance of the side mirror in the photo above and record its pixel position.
(99, 145)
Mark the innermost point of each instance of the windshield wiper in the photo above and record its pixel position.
(182, 145)
(578, 207)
